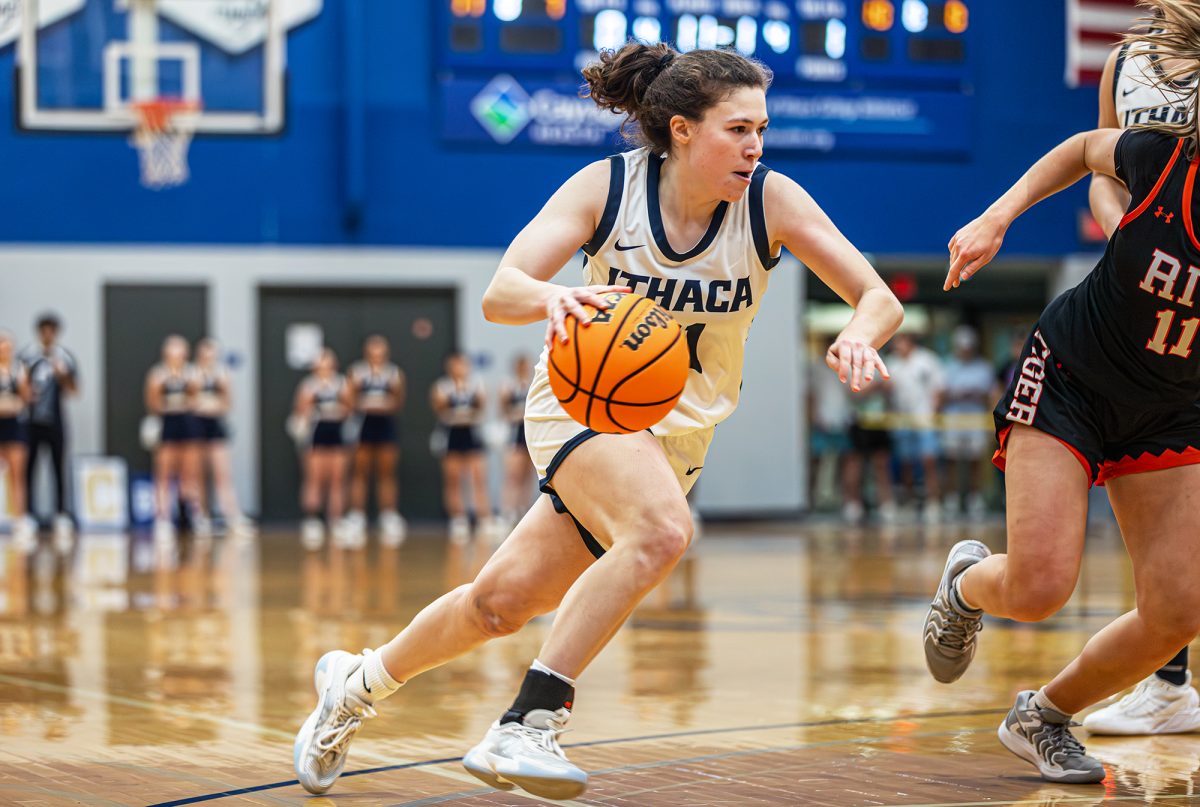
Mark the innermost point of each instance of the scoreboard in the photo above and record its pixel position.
(850, 75)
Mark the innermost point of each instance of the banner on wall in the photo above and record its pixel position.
(101, 496)
(503, 111)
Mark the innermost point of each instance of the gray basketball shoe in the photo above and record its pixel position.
(1043, 737)
(951, 632)
(319, 753)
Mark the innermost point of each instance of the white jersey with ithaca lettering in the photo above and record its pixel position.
(713, 289)
(1142, 95)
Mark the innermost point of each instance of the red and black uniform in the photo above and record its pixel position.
(1112, 369)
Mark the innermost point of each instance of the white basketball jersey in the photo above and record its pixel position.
(1138, 99)
(713, 289)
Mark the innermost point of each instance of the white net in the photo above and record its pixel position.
(162, 137)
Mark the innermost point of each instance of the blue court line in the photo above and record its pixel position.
(694, 733)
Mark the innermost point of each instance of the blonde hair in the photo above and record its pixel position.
(1172, 34)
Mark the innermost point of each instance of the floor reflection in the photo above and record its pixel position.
(793, 648)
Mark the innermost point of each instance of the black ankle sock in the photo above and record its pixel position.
(540, 690)
(1175, 670)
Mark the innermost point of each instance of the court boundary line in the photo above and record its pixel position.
(594, 743)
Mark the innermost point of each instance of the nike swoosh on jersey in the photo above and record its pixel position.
(624, 249)
(691, 471)
(1128, 92)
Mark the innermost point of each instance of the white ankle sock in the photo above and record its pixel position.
(372, 682)
(1042, 701)
(958, 592)
(540, 667)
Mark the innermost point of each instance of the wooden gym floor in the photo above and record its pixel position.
(781, 665)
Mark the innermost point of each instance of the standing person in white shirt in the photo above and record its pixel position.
(967, 405)
(917, 384)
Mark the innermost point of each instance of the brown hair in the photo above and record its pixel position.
(1172, 34)
(653, 83)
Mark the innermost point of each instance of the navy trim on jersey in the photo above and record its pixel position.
(616, 188)
(1117, 70)
(758, 218)
(653, 166)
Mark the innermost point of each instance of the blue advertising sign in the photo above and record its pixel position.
(504, 111)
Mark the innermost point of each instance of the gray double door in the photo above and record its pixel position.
(419, 324)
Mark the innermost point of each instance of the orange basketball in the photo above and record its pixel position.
(625, 370)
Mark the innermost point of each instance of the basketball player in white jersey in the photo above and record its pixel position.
(694, 221)
(1132, 91)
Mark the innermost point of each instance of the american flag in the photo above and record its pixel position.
(1093, 27)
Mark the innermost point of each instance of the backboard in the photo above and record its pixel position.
(82, 65)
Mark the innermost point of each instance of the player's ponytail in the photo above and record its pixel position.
(1172, 38)
(651, 84)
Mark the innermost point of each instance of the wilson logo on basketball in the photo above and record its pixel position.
(657, 318)
(624, 371)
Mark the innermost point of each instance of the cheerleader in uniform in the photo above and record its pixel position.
(520, 477)
(458, 402)
(324, 400)
(14, 398)
(211, 400)
(379, 390)
(166, 396)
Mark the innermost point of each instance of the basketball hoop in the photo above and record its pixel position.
(164, 131)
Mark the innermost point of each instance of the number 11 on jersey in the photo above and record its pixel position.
(1183, 347)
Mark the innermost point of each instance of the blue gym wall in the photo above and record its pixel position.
(293, 189)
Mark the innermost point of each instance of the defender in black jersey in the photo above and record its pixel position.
(1105, 393)
(1131, 90)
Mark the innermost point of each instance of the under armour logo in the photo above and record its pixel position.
(1166, 217)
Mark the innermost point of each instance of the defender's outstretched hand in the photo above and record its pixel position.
(973, 248)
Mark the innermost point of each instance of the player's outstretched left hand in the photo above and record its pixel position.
(973, 248)
(855, 362)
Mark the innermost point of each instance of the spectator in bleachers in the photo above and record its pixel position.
(870, 446)
(14, 398)
(967, 433)
(916, 390)
(829, 438)
(52, 372)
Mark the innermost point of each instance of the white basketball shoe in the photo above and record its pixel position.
(460, 531)
(319, 753)
(527, 755)
(1154, 706)
(25, 535)
(312, 533)
(64, 534)
(393, 529)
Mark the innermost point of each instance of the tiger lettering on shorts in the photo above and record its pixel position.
(1024, 404)
(655, 319)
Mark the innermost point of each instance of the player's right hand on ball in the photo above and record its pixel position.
(568, 301)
